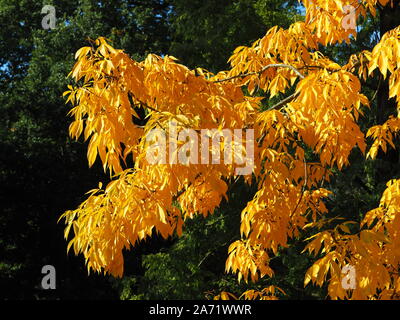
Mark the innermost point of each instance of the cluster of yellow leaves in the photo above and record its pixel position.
(322, 114)
(373, 252)
(326, 18)
(268, 293)
(319, 114)
(386, 57)
(147, 197)
(330, 21)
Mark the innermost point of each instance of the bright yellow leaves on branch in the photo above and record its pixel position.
(386, 58)
(268, 293)
(374, 253)
(319, 115)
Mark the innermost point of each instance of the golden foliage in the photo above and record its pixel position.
(320, 115)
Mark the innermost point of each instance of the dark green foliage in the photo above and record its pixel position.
(206, 32)
(42, 172)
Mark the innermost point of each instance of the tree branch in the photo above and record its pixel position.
(284, 101)
(303, 189)
(277, 65)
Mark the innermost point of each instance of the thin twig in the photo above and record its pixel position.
(284, 101)
(377, 89)
(277, 65)
(303, 189)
